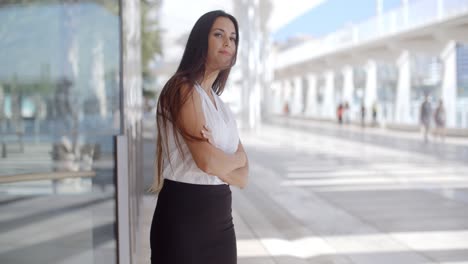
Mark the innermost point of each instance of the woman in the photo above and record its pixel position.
(198, 152)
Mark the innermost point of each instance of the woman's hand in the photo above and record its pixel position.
(237, 177)
(206, 133)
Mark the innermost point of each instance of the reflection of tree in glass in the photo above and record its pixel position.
(2, 110)
(150, 34)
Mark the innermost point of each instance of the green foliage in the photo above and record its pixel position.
(149, 94)
(150, 34)
(43, 87)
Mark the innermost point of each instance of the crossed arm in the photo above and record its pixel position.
(231, 168)
(239, 176)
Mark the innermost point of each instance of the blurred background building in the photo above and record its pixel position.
(314, 55)
(79, 81)
(391, 60)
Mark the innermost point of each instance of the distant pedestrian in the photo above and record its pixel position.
(374, 114)
(286, 109)
(363, 115)
(339, 113)
(346, 113)
(439, 120)
(425, 117)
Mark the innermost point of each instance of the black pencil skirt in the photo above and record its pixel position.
(192, 224)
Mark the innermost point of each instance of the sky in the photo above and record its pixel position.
(177, 20)
(330, 16)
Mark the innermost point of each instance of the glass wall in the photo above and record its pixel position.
(387, 76)
(462, 70)
(59, 113)
(426, 79)
(462, 87)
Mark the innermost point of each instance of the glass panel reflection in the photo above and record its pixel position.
(59, 111)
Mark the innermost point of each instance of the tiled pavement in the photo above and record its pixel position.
(331, 195)
(318, 193)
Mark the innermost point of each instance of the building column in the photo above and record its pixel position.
(296, 104)
(287, 93)
(370, 94)
(281, 98)
(275, 106)
(348, 83)
(328, 106)
(311, 107)
(254, 44)
(449, 82)
(403, 89)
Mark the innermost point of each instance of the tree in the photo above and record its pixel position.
(150, 34)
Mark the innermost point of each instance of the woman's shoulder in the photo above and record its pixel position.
(187, 90)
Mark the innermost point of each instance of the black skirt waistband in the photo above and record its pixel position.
(206, 189)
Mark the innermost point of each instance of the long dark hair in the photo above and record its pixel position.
(191, 69)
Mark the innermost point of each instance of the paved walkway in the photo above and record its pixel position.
(323, 194)
(58, 229)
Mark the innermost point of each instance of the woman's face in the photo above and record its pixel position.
(221, 44)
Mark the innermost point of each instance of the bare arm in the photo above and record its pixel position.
(237, 177)
(207, 157)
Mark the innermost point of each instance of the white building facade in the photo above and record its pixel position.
(389, 62)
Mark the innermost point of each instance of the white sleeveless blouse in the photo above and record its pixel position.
(220, 120)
